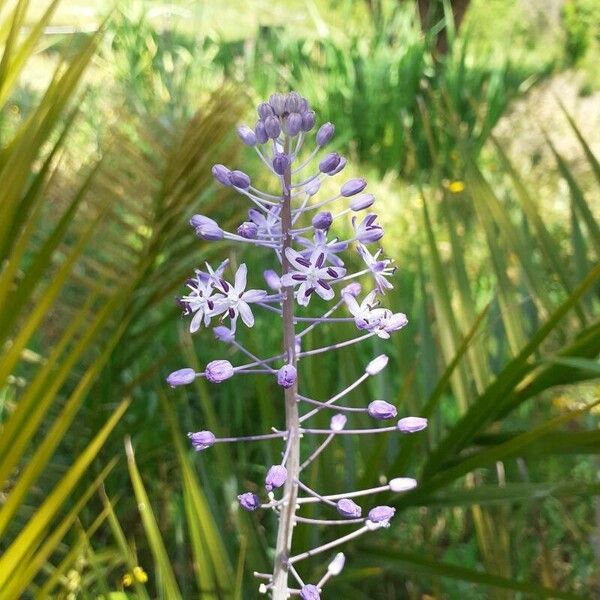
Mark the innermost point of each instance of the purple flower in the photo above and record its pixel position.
(308, 120)
(224, 334)
(276, 477)
(293, 124)
(272, 127)
(352, 289)
(286, 376)
(201, 440)
(310, 592)
(261, 133)
(281, 162)
(269, 224)
(312, 275)
(367, 231)
(248, 230)
(322, 220)
(319, 242)
(277, 102)
(313, 187)
(380, 409)
(249, 501)
(366, 314)
(329, 163)
(381, 514)
(206, 228)
(411, 424)
(218, 370)
(361, 202)
(325, 134)
(348, 509)
(353, 187)
(272, 279)
(264, 110)
(377, 365)
(380, 269)
(246, 135)
(221, 174)
(338, 422)
(239, 179)
(339, 168)
(181, 377)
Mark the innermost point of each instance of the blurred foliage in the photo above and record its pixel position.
(100, 170)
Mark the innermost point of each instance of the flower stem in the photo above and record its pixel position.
(287, 513)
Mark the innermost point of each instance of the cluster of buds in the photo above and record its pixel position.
(294, 224)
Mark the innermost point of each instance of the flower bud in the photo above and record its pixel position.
(294, 124)
(264, 110)
(308, 120)
(380, 409)
(313, 187)
(377, 365)
(337, 564)
(352, 187)
(395, 322)
(361, 202)
(221, 174)
(411, 424)
(352, 289)
(381, 514)
(246, 134)
(348, 509)
(402, 484)
(292, 102)
(330, 162)
(325, 134)
(224, 334)
(272, 127)
(201, 440)
(277, 102)
(218, 371)
(272, 279)
(322, 220)
(310, 592)
(286, 376)
(281, 162)
(339, 168)
(260, 132)
(275, 478)
(239, 179)
(248, 230)
(206, 228)
(181, 377)
(338, 422)
(249, 501)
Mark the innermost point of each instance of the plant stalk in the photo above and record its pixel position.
(290, 491)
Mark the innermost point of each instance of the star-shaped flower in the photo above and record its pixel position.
(311, 274)
(380, 269)
(366, 314)
(269, 224)
(320, 243)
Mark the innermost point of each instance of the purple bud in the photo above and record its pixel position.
(201, 440)
(224, 334)
(352, 289)
(322, 220)
(381, 514)
(281, 162)
(277, 102)
(218, 371)
(272, 127)
(292, 102)
(313, 187)
(361, 202)
(352, 187)
(330, 162)
(275, 478)
(272, 279)
(338, 422)
(286, 376)
(348, 509)
(239, 179)
(260, 132)
(248, 230)
(395, 322)
(310, 592)
(249, 501)
(221, 174)
(411, 424)
(377, 365)
(380, 409)
(308, 120)
(293, 124)
(246, 134)
(402, 484)
(339, 168)
(181, 377)
(264, 110)
(206, 228)
(325, 133)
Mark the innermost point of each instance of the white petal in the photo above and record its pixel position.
(246, 313)
(293, 256)
(196, 321)
(326, 294)
(288, 281)
(253, 295)
(240, 278)
(301, 297)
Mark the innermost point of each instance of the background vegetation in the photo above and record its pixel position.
(481, 144)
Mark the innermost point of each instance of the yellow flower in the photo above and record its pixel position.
(127, 580)
(140, 574)
(456, 186)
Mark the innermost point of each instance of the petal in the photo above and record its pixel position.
(253, 295)
(293, 257)
(196, 321)
(287, 280)
(301, 296)
(240, 278)
(246, 313)
(325, 293)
